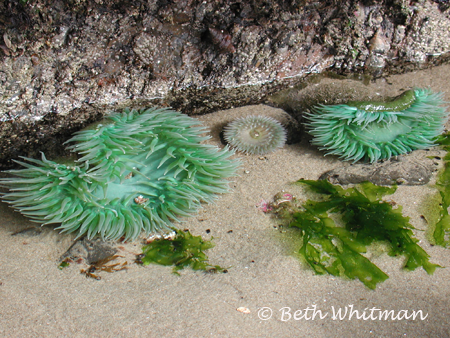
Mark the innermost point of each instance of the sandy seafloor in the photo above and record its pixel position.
(39, 300)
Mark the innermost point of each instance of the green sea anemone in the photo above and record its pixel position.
(140, 172)
(378, 130)
(255, 134)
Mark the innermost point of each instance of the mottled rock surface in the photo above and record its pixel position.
(90, 250)
(412, 169)
(66, 63)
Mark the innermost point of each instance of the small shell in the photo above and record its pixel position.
(153, 237)
(140, 200)
(242, 309)
(35, 59)
(170, 236)
(379, 44)
(7, 41)
(222, 40)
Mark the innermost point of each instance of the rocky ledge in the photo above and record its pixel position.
(66, 63)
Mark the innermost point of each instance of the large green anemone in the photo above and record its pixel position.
(378, 130)
(140, 172)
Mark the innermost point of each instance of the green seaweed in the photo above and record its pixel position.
(182, 251)
(337, 250)
(63, 264)
(438, 217)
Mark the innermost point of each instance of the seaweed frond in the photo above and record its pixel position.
(329, 248)
(437, 214)
(182, 251)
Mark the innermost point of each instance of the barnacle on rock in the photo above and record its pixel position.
(140, 172)
(255, 134)
(378, 130)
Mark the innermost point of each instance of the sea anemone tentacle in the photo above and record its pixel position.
(378, 130)
(140, 172)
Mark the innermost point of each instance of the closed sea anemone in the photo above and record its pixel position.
(378, 130)
(140, 172)
(255, 134)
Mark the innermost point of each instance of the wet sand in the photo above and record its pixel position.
(39, 300)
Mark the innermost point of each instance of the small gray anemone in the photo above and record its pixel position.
(255, 134)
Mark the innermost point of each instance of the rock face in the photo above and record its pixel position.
(65, 63)
(406, 170)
